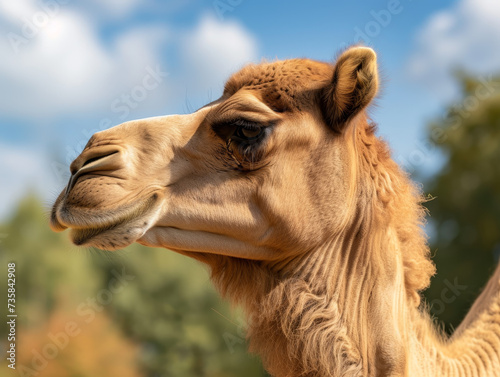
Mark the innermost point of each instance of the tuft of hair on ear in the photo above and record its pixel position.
(353, 86)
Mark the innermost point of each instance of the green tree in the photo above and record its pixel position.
(465, 211)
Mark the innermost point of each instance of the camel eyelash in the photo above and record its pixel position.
(243, 139)
(239, 130)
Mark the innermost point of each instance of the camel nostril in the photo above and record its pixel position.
(90, 160)
(95, 161)
(77, 165)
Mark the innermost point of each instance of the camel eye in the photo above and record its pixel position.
(249, 132)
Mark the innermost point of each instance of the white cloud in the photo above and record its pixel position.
(65, 67)
(60, 64)
(16, 9)
(466, 36)
(215, 50)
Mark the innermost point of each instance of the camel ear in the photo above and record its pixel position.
(354, 85)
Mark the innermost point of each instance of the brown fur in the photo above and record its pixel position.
(314, 229)
(298, 308)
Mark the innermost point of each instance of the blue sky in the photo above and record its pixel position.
(69, 68)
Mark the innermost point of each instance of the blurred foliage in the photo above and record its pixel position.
(465, 211)
(98, 350)
(140, 312)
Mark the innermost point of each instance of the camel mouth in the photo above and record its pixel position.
(109, 230)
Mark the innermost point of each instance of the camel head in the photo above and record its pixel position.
(263, 173)
(283, 189)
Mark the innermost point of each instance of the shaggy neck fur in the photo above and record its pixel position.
(336, 297)
(326, 313)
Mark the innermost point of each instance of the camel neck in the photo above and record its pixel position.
(341, 312)
(349, 314)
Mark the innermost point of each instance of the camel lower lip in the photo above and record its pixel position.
(88, 221)
(109, 238)
(109, 230)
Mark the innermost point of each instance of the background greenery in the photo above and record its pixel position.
(465, 211)
(167, 320)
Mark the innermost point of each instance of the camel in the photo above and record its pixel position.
(282, 188)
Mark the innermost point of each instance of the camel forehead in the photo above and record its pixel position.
(281, 83)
